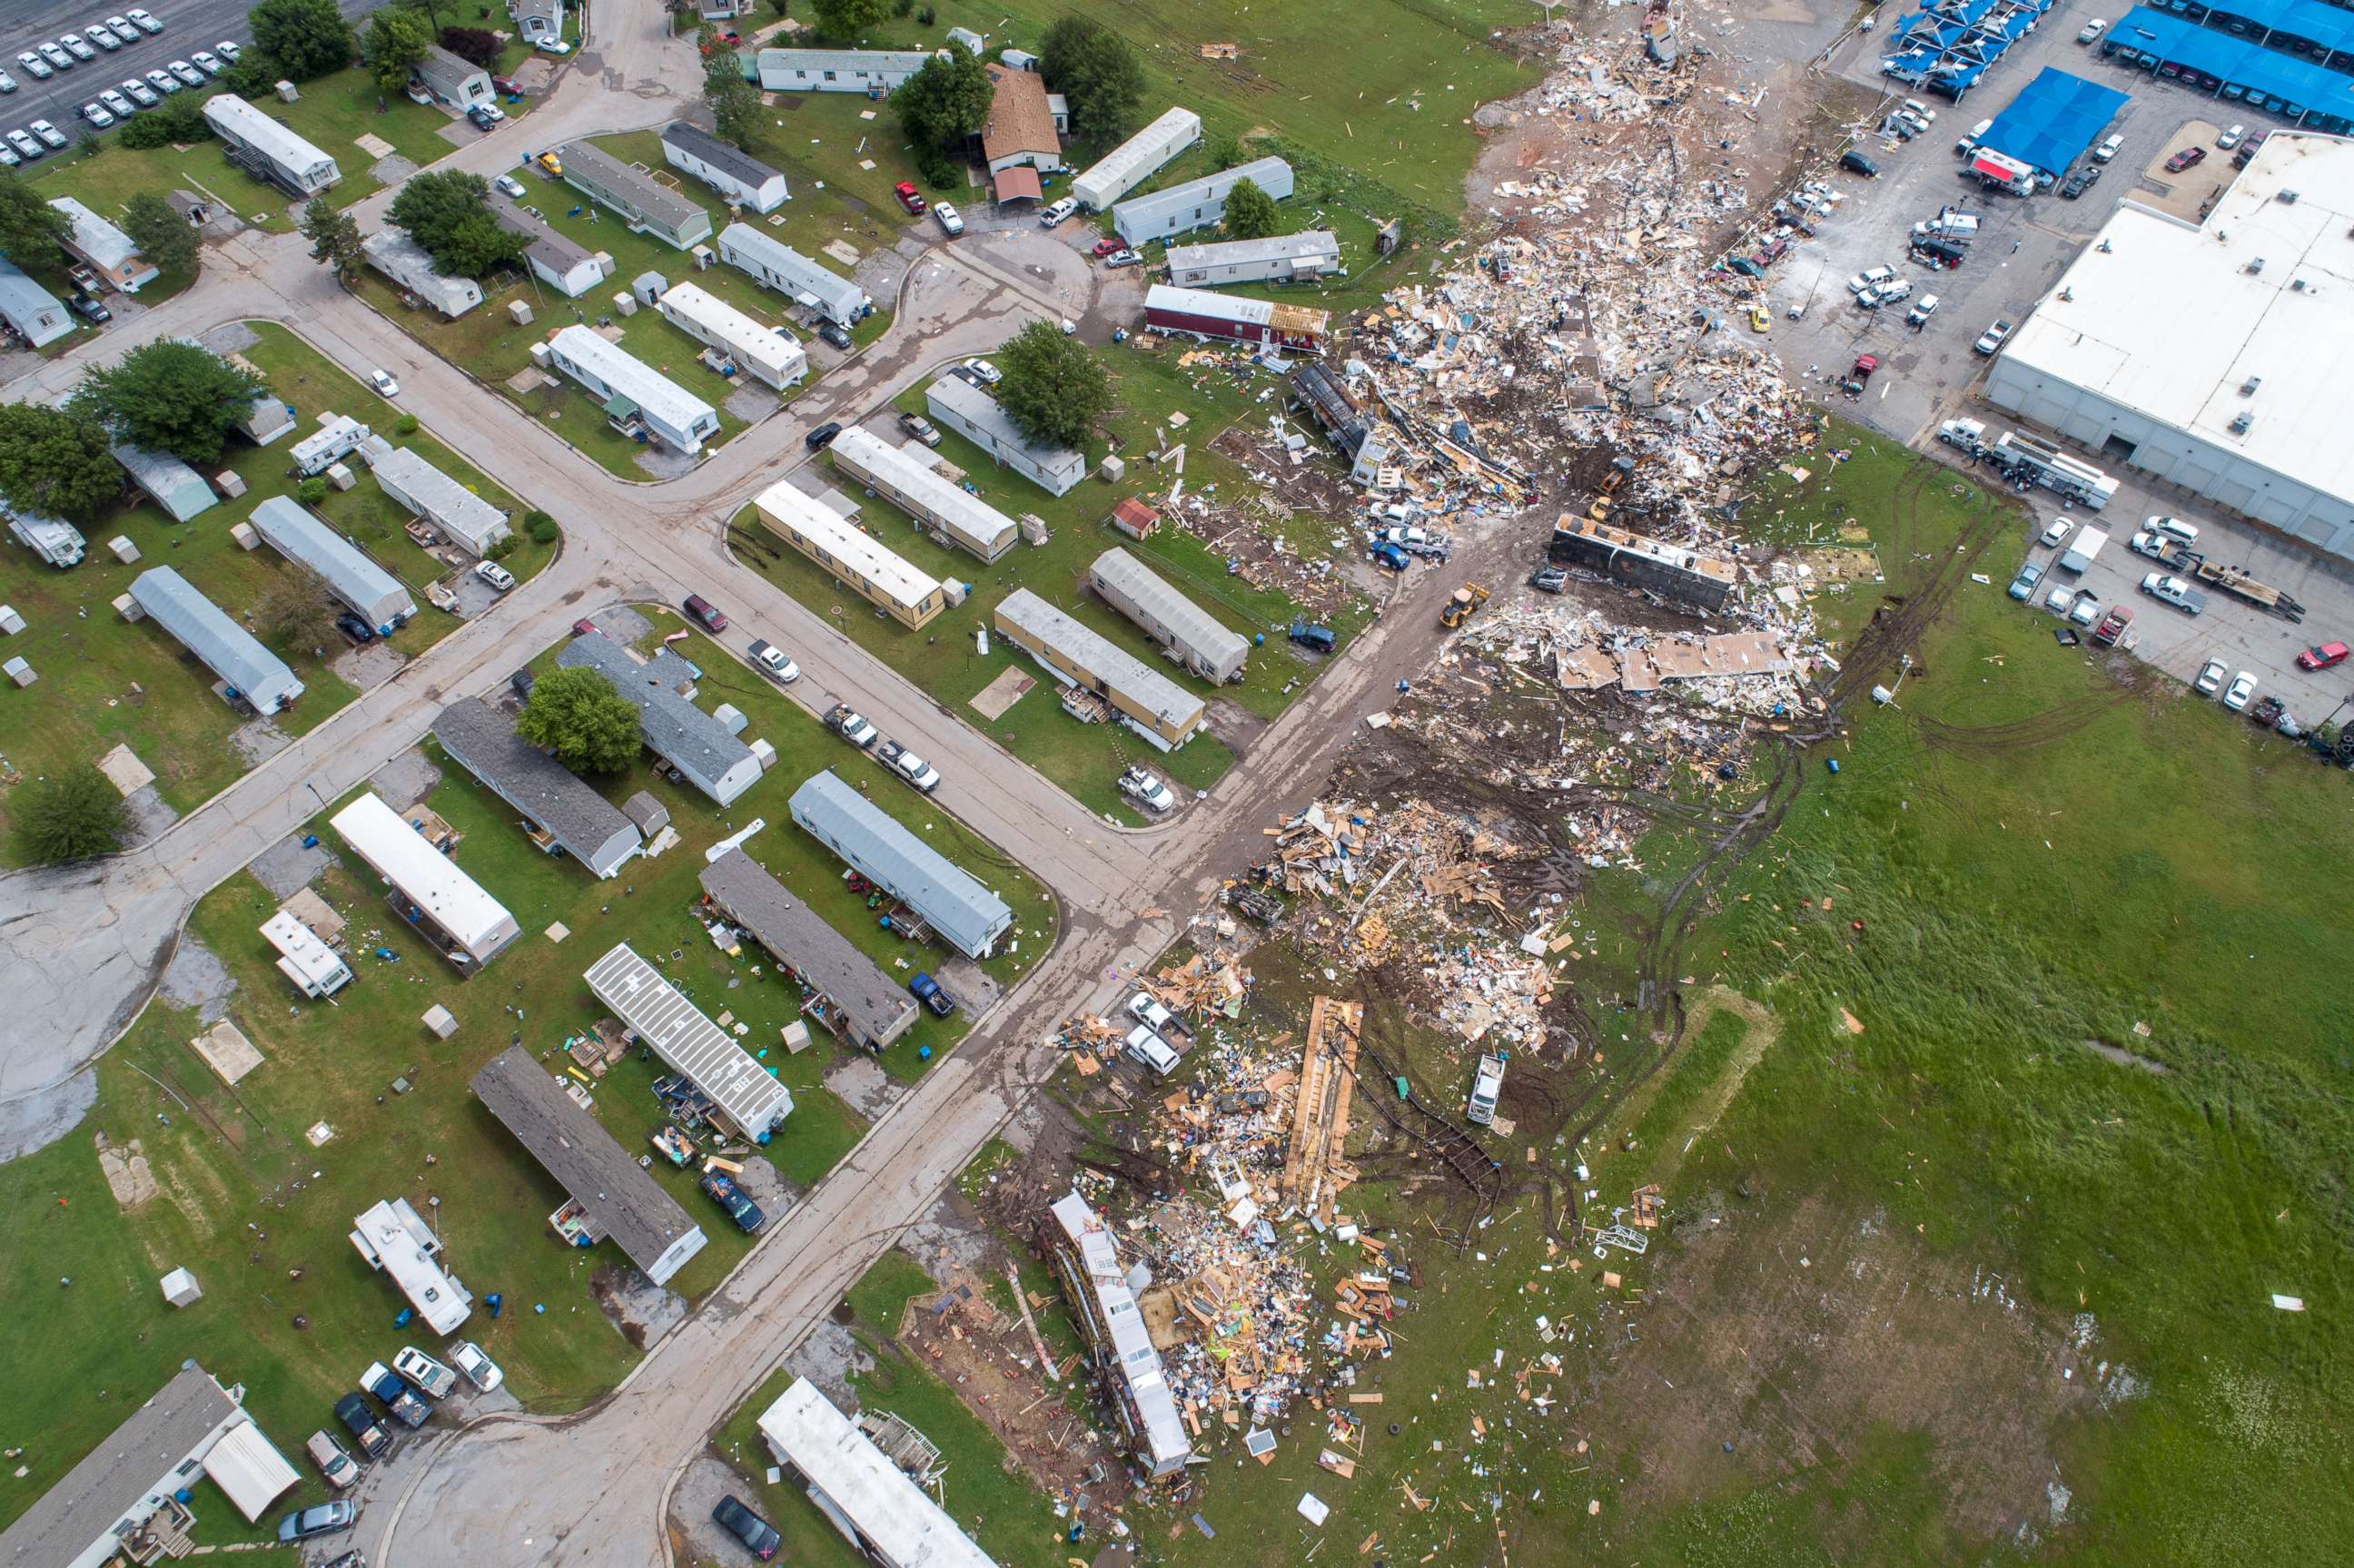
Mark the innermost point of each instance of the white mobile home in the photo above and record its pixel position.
(171, 484)
(872, 72)
(453, 79)
(767, 354)
(1136, 160)
(268, 150)
(1147, 701)
(860, 1488)
(36, 313)
(337, 438)
(105, 247)
(367, 589)
(710, 753)
(860, 562)
(912, 484)
(979, 419)
(1197, 204)
(958, 906)
(633, 391)
(450, 908)
(736, 175)
(391, 253)
(805, 283)
(433, 495)
(1278, 258)
(394, 1239)
(247, 669)
(656, 209)
(747, 1094)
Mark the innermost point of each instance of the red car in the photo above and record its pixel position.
(2185, 159)
(703, 610)
(2329, 655)
(1106, 247)
(909, 197)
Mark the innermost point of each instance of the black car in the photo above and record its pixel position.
(87, 307)
(2080, 182)
(746, 1214)
(1856, 164)
(829, 332)
(1549, 580)
(823, 436)
(756, 1533)
(359, 1420)
(360, 633)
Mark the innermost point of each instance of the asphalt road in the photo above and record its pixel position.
(189, 26)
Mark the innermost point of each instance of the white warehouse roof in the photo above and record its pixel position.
(2172, 319)
(688, 1042)
(882, 1502)
(634, 378)
(426, 878)
(846, 542)
(870, 458)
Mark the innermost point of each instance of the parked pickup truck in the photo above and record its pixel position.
(771, 661)
(360, 1421)
(844, 722)
(908, 766)
(2176, 592)
(930, 993)
(386, 1386)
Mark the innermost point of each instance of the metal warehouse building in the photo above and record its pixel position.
(738, 176)
(979, 419)
(654, 209)
(805, 283)
(912, 484)
(391, 253)
(1200, 314)
(270, 149)
(367, 589)
(620, 1199)
(854, 997)
(695, 743)
(451, 907)
(1207, 647)
(967, 915)
(883, 579)
(433, 495)
(1196, 204)
(1278, 258)
(630, 388)
(1148, 702)
(767, 354)
(837, 70)
(2212, 357)
(227, 649)
(688, 1042)
(860, 1490)
(570, 815)
(169, 482)
(1136, 160)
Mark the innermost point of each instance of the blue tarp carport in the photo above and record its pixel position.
(2279, 25)
(2053, 119)
(2234, 70)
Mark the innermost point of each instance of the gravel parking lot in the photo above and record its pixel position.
(1930, 375)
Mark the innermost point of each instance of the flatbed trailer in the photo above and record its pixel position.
(2235, 581)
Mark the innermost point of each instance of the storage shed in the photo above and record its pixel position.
(367, 589)
(965, 914)
(1207, 645)
(249, 670)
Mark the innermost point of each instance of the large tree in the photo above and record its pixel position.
(30, 228)
(55, 462)
(335, 237)
(1094, 68)
(296, 608)
(308, 38)
(1250, 212)
(942, 105)
(476, 45)
(579, 717)
(735, 102)
(846, 19)
(163, 236)
(396, 39)
(76, 814)
(1055, 388)
(172, 396)
(450, 215)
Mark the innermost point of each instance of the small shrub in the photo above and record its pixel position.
(405, 425)
(501, 549)
(312, 491)
(925, 16)
(541, 528)
(902, 7)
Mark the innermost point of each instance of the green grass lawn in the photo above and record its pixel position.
(1085, 759)
(104, 679)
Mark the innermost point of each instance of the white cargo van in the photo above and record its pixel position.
(1487, 1088)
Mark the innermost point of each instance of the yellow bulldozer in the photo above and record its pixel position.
(1460, 604)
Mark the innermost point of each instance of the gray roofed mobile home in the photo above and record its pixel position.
(301, 165)
(1208, 646)
(790, 272)
(1277, 259)
(965, 914)
(672, 728)
(736, 175)
(174, 486)
(453, 78)
(1136, 160)
(872, 1008)
(659, 210)
(121, 1484)
(555, 259)
(1196, 204)
(910, 482)
(32, 310)
(441, 501)
(689, 1042)
(1116, 1331)
(227, 649)
(1151, 704)
(583, 823)
(623, 1202)
(391, 253)
(105, 247)
(370, 592)
(980, 419)
(837, 70)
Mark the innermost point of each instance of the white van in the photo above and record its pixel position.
(1487, 1088)
(2174, 528)
(1149, 1050)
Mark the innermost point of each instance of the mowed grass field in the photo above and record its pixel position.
(944, 656)
(244, 1197)
(103, 680)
